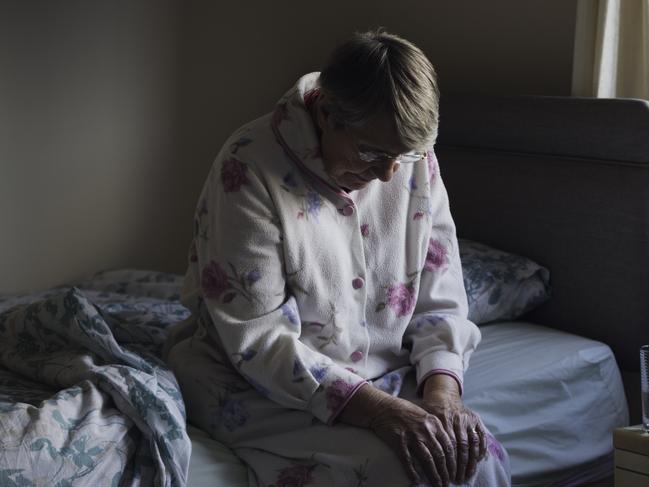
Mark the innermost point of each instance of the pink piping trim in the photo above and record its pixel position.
(420, 389)
(347, 399)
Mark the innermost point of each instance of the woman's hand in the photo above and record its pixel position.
(415, 435)
(464, 429)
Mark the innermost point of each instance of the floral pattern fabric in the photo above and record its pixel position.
(288, 447)
(286, 263)
(351, 266)
(501, 286)
(85, 398)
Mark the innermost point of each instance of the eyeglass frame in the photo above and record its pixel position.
(372, 156)
(377, 156)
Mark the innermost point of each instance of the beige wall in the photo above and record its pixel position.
(87, 139)
(111, 112)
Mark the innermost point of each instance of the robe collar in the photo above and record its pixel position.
(296, 132)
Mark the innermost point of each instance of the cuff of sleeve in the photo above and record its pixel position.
(439, 362)
(333, 394)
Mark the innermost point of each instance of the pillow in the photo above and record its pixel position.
(499, 285)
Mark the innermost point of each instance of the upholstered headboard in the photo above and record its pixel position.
(564, 181)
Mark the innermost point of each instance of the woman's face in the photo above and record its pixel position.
(341, 151)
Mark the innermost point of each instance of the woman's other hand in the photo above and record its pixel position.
(416, 436)
(413, 434)
(463, 426)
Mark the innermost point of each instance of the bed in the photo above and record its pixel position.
(545, 172)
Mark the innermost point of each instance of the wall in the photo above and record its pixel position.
(112, 112)
(88, 104)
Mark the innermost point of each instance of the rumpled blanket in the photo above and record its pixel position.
(84, 397)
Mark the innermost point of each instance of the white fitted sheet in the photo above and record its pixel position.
(213, 464)
(550, 397)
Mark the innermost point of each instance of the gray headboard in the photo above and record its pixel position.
(564, 181)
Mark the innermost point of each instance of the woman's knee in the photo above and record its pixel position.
(494, 469)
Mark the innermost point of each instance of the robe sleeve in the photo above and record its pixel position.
(239, 258)
(440, 336)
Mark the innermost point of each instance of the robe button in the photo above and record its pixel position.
(356, 356)
(358, 283)
(348, 210)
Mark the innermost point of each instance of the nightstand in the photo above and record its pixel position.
(631, 457)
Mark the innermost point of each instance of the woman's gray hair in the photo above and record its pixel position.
(376, 73)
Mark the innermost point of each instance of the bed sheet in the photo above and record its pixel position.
(84, 397)
(212, 463)
(551, 398)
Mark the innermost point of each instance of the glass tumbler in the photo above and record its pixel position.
(644, 379)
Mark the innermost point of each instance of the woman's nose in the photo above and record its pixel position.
(387, 170)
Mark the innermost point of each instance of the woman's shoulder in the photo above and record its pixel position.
(251, 153)
(254, 144)
(249, 136)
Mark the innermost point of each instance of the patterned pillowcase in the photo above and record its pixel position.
(499, 285)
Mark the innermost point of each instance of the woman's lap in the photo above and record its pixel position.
(290, 447)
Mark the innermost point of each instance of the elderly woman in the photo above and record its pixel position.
(324, 267)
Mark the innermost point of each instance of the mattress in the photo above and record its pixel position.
(550, 397)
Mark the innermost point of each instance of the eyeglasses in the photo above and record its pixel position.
(378, 157)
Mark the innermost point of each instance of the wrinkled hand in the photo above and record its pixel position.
(464, 429)
(415, 434)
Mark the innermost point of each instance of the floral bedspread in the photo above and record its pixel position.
(84, 397)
